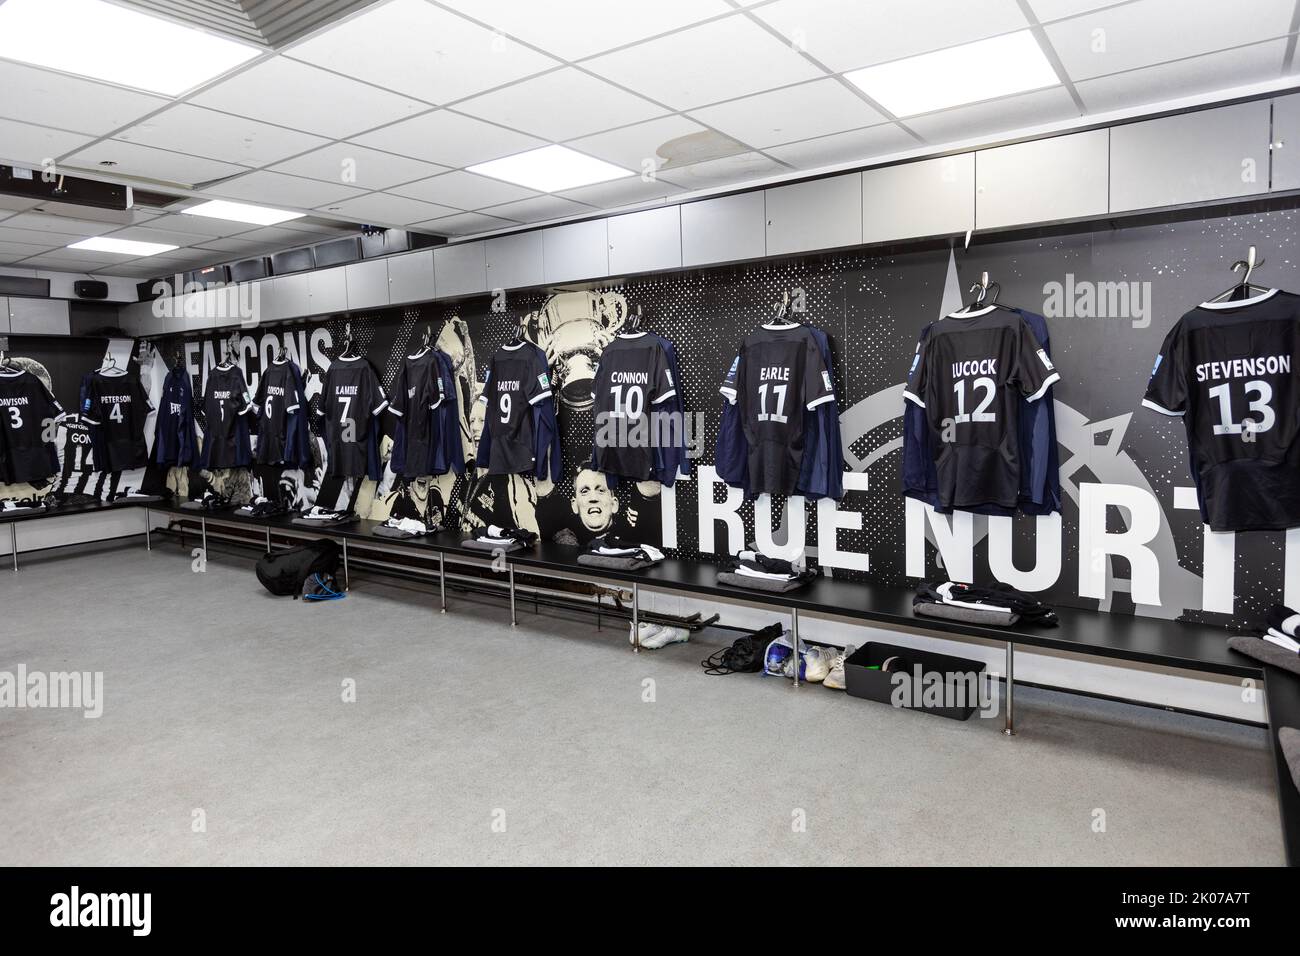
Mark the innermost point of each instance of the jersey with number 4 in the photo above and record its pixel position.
(969, 374)
(1229, 370)
(633, 376)
(117, 405)
(28, 421)
(350, 400)
(778, 373)
(517, 379)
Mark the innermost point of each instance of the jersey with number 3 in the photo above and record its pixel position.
(969, 374)
(118, 406)
(778, 373)
(28, 418)
(1229, 370)
(517, 379)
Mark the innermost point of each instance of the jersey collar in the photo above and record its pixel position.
(780, 327)
(1239, 303)
(970, 315)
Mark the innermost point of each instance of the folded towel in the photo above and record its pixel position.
(480, 545)
(760, 584)
(970, 614)
(631, 562)
(1282, 618)
(1274, 636)
(1289, 739)
(1265, 652)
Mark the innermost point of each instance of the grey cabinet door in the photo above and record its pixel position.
(328, 290)
(4, 315)
(1064, 177)
(726, 229)
(1286, 142)
(460, 269)
(646, 241)
(821, 214)
(1195, 157)
(515, 261)
(579, 250)
(367, 284)
(933, 197)
(290, 297)
(410, 277)
(38, 316)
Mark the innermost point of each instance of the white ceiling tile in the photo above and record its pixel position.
(79, 259)
(995, 116)
(462, 190)
(59, 225)
(858, 144)
(798, 112)
(199, 226)
(464, 224)
(622, 192)
(714, 61)
(27, 236)
(233, 139)
(1153, 31)
(301, 96)
(67, 102)
(538, 209)
(578, 28)
(415, 48)
(26, 144)
(847, 34)
(1214, 71)
(317, 225)
(359, 166)
(238, 246)
(12, 251)
(165, 236)
(1045, 10)
(383, 209)
(270, 236)
(146, 162)
(12, 204)
(265, 188)
(560, 105)
(658, 144)
(724, 172)
(449, 139)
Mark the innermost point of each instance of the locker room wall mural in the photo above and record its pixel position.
(1129, 538)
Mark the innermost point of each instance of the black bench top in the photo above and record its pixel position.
(62, 510)
(1282, 695)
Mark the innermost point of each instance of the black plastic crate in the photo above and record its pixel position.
(862, 681)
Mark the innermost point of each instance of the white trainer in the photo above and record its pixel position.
(835, 677)
(817, 663)
(647, 629)
(666, 635)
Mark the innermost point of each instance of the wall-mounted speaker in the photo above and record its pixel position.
(90, 289)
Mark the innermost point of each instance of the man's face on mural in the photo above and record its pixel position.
(593, 502)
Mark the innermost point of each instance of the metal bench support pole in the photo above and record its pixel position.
(148, 523)
(794, 641)
(636, 618)
(203, 524)
(513, 621)
(1010, 728)
(347, 577)
(13, 542)
(268, 538)
(442, 580)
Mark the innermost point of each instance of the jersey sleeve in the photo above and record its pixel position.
(538, 387)
(731, 381)
(914, 389)
(1034, 371)
(662, 386)
(375, 400)
(398, 403)
(259, 398)
(818, 389)
(90, 404)
(245, 405)
(1167, 388)
(53, 410)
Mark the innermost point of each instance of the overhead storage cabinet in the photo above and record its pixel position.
(515, 261)
(367, 284)
(820, 214)
(327, 291)
(460, 269)
(645, 241)
(1064, 177)
(726, 229)
(579, 250)
(933, 197)
(38, 316)
(410, 277)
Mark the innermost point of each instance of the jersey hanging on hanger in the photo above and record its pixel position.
(969, 375)
(633, 380)
(779, 374)
(1229, 370)
(278, 399)
(1040, 483)
(413, 399)
(448, 452)
(350, 400)
(227, 409)
(175, 442)
(29, 417)
(117, 405)
(517, 431)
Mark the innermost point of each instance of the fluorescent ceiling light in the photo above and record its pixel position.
(123, 247)
(241, 212)
(983, 70)
(108, 42)
(551, 169)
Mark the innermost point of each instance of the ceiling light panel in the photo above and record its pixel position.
(88, 37)
(122, 247)
(551, 169)
(241, 212)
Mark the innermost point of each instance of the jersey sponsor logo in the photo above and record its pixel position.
(1243, 367)
(1155, 368)
(826, 380)
(668, 375)
(916, 360)
(410, 392)
(735, 364)
(544, 380)
(986, 366)
(1042, 355)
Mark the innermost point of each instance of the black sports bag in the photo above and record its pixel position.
(284, 572)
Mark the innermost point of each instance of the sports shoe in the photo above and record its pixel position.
(835, 676)
(665, 636)
(647, 629)
(817, 663)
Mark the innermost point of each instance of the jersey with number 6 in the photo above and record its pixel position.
(116, 403)
(778, 373)
(1229, 369)
(969, 374)
(517, 379)
(29, 417)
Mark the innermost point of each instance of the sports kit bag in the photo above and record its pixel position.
(744, 656)
(285, 572)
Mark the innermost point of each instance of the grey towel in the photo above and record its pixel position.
(384, 531)
(489, 546)
(1262, 650)
(325, 523)
(614, 562)
(970, 615)
(1289, 738)
(758, 584)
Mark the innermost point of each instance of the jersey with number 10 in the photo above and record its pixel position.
(1229, 369)
(633, 376)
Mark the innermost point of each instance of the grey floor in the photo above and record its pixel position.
(471, 743)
